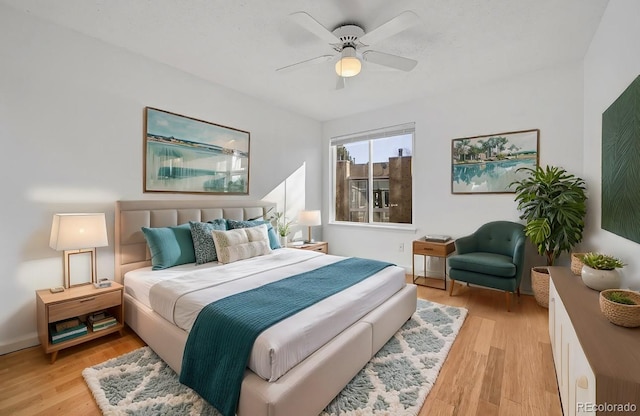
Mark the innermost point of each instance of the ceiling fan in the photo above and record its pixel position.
(350, 40)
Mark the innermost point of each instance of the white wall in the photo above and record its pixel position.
(610, 65)
(71, 126)
(549, 100)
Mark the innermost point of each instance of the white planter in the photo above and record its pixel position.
(600, 279)
(283, 240)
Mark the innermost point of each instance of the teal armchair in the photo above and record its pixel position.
(493, 256)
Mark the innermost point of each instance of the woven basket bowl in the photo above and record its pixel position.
(576, 263)
(619, 314)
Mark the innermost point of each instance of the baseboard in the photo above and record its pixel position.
(26, 342)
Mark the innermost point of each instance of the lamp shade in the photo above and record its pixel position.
(349, 65)
(78, 231)
(310, 218)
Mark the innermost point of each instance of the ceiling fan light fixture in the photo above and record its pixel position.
(349, 65)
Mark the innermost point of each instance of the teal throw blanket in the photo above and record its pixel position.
(222, 337)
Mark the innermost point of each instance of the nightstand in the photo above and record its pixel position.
(321, 246)
(78, 301)
(426, 249)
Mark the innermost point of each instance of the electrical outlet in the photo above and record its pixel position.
(401, 247)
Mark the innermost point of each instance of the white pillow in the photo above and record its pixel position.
(241, 243)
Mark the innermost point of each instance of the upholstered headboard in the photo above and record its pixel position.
(131, 251)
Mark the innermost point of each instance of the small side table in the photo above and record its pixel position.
(321, 246)
(78, 301)
(424, 248)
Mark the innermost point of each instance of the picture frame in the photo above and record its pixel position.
(186, 155)
(488, 164)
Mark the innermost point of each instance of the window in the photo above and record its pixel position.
(372, 180)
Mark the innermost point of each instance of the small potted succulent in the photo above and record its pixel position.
(621, 307)
(599, 271)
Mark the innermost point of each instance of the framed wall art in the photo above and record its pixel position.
(489, 164)
(183, 154)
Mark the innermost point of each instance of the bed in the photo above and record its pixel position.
(312, 382)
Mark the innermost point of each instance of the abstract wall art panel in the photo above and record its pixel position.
(621, 164)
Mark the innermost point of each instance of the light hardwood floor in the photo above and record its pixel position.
(500, 364)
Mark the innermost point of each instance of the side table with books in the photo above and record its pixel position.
(77, 315)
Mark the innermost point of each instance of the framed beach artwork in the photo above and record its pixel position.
(183, 154)
(489, 164)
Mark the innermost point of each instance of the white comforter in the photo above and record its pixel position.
(178, 294)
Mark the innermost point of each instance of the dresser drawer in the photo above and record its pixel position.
(85, 305)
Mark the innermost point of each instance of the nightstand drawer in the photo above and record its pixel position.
(321, 248)
(437, 250)
(85, 305)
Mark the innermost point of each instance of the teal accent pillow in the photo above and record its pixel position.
(169, 246)
(274, 241)
(203, 245)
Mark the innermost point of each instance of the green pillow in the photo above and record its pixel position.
(203, 244)
(170, 246)
(274, 241)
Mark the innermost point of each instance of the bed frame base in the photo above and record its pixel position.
(311, 385)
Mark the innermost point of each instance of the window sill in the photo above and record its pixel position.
(391, 227)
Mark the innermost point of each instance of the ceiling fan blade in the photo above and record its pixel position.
(399, 23)
(392, 61)
(312, 25)
(304, 64)
(340, 83)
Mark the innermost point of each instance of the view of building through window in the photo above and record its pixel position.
(372, 176)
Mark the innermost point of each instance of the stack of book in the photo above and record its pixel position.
(101, 320)
(62, 331)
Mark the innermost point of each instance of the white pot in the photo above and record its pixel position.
(600, 279)
(283, 240)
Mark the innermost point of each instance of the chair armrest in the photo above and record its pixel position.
(466, 244)
(518, 257)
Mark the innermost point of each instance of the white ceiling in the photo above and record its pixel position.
(240, 43)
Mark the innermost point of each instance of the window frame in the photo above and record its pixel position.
(368, 137)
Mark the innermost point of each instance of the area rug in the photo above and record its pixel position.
(395, 382)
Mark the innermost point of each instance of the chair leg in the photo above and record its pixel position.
(508, 298)
(453, 283)
(518, 299)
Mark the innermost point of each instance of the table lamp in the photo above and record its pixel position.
(78, 234)
(310, 219)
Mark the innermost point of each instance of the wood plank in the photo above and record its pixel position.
(492, 381)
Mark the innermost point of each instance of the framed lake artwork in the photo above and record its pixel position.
(489, 164)
(183, 154)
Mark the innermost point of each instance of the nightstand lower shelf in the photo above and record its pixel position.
(54, 348)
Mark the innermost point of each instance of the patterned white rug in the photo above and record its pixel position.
(395, 382)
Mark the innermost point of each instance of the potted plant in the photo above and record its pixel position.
(553, 204)
(283, 227)
(621, 307)
(599, 271)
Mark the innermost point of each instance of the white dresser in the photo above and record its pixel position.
(597, 363)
